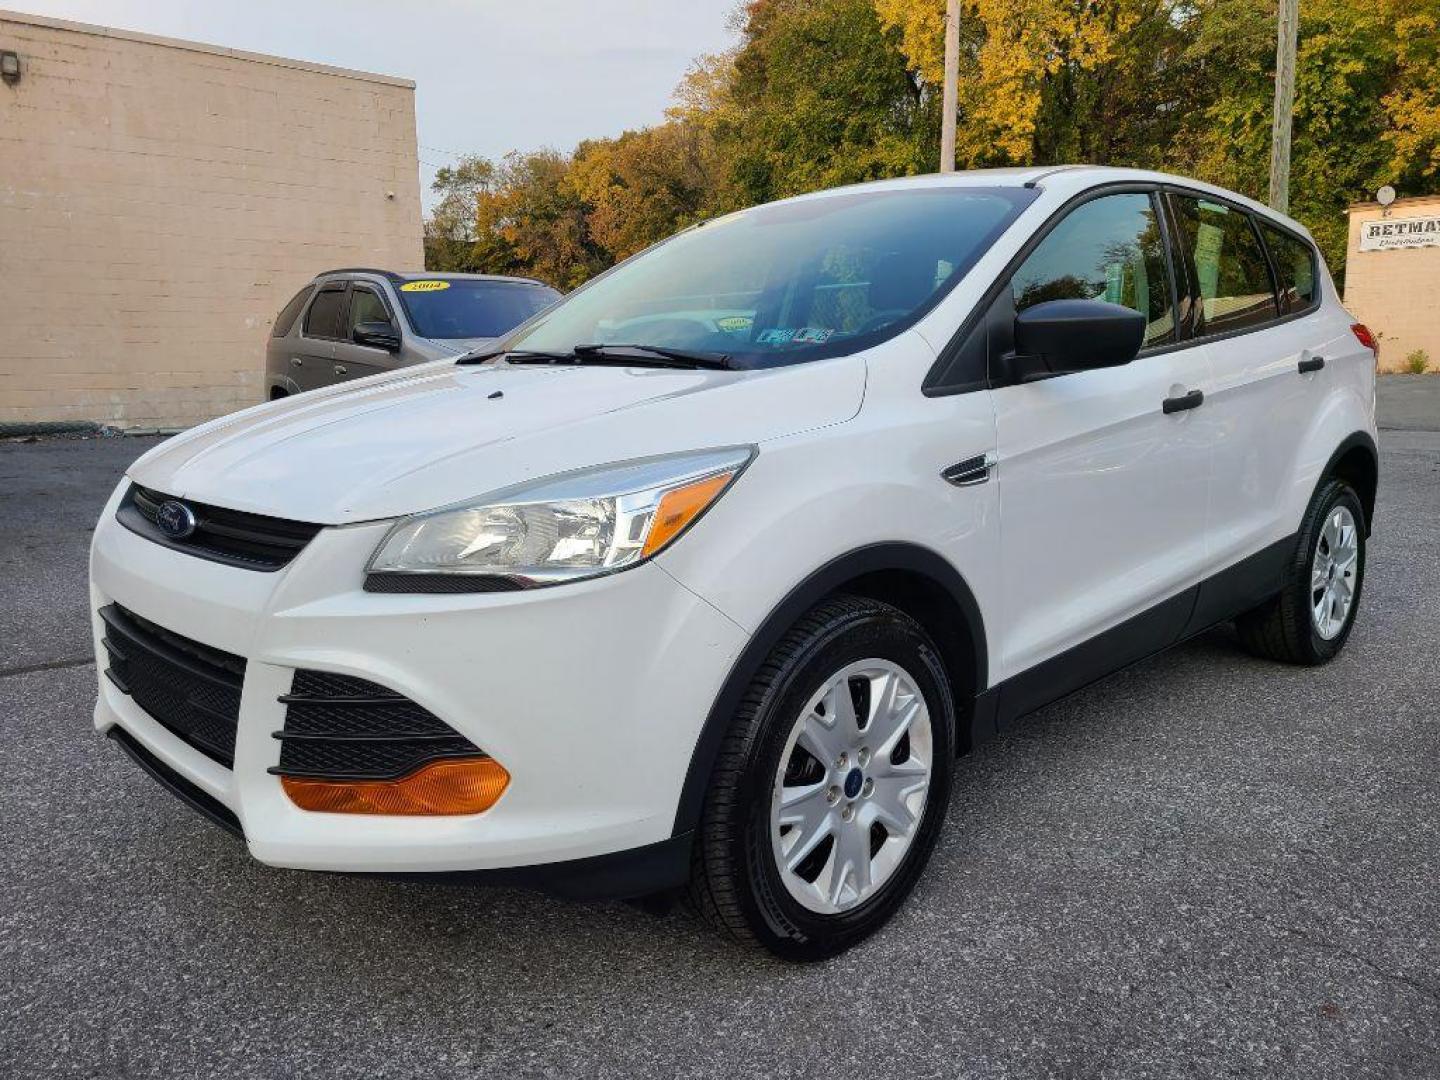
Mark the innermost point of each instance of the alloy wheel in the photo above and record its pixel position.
(850, 790)
(1332, 573)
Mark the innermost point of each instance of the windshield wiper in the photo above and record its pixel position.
(533, 356)
(478, 356)
(618, 355)
(653, 354)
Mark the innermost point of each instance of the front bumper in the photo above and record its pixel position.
(591, 695)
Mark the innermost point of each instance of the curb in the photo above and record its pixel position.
(45, 428)
(50, 427)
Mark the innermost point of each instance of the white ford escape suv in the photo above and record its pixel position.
(706, 578)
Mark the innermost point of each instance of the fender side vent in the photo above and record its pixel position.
(975, 470)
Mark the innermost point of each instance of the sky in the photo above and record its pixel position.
(491, 75)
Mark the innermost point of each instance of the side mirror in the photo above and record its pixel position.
(1062, 336)
(380, 335)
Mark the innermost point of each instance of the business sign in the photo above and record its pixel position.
(1387, 234)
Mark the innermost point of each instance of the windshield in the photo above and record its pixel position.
(789, 281)
(456, 308)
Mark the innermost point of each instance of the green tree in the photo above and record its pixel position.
(1187, 85)
(645, 185)
(450, 230)
(533, 222)
(817, 94)
(1367, 107)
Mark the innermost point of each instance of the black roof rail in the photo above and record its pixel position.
(362, 270)
(1034, 181)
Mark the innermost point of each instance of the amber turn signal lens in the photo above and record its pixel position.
(457, 786)
(680, 507)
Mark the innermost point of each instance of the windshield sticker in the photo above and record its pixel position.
(735, 324)
(424, 286)
(806, 335)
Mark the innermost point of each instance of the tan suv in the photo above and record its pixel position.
(350, 323)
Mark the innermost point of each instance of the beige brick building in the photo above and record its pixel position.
(160, 200)
(1392, 276)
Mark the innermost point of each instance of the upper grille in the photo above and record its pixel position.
(342, 728)
(233, 537)
(190, 689)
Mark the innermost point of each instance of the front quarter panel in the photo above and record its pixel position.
(815, 496)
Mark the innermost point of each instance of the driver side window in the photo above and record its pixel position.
(1111, 249)
(366, 306)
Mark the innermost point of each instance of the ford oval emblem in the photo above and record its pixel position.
(176, 520)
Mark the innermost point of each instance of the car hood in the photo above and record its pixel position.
(441, 433)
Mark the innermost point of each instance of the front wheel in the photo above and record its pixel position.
(831, 786)
(1309, 621)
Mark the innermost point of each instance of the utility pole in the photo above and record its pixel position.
(1284, 104)
(952, 85)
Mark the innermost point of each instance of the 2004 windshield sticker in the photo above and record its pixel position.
(805, 335)
(424, 286)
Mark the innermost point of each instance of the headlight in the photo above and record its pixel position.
(563, 528)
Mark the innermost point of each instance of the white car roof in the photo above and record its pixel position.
(1065, 180)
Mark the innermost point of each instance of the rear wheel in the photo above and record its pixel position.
(831, 786)
(1309, 621)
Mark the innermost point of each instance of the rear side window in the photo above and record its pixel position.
(290, 312)
(1108, 249)
(323, 318)
(1294, 267)
(1231, 276)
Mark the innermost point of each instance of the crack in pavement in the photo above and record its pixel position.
(1330, 946)
(48, 665)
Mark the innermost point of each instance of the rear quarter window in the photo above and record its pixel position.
(285, 321)
(323, 318)
(1295, 269)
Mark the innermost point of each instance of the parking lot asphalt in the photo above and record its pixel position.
(1204, 866)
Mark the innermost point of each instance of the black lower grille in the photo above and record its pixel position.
(233, 537)
(342, 728)
(190, 689)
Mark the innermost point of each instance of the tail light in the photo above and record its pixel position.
(1365, 337)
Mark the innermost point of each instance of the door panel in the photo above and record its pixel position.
(354, 361)
(1103, 500)
(313, 357)
(1261, 402)
(1102, 493)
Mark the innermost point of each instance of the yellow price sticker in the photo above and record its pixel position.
(424, 286)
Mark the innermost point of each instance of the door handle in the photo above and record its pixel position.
(297, 362)
(1312, 363)
(339, 369)
(1192, 400)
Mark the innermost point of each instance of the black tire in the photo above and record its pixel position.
(735, 884)
(1282, 628)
